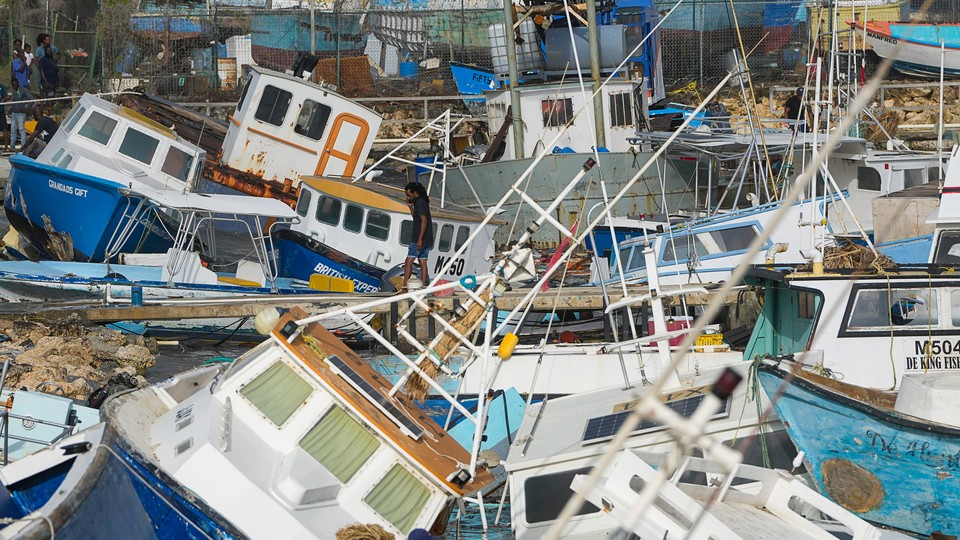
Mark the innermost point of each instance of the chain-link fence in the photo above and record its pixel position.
(197, 50)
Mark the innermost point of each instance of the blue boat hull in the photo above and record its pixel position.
(300, 256)
(885, 467)
(116, 497)
(83, 212)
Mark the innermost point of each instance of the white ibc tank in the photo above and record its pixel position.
(529, 57)
(933, 396)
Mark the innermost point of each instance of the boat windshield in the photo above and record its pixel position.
(948, 248)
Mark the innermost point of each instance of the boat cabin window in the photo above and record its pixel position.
(806, 305)
(58, 155)
(546, 495)
(868, 178)
(98, 128)
(353, 218)
(72, 118)
(243, 93)
(378, 225)
(328, 210)
(303, 203)
(713, 243)
(177, 164)
(912, 177)
(65, 161)
(273, 105)
(463, 232)
(139, 146)
(955, 307)
(446, 238)
(948, 248)
(277, 392)
(312, 120)
(734, 239)
(340, 444)
(636, 260)
(399, 498)
(681, 248)
(406, 232)
(621, 108)
(556, 112)
(933, 174)
(879, 309)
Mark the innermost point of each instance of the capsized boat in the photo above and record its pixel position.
(68, 202)
(890, 458)
(296, 439)
(360, 231)
(306, 128)
(181, 272)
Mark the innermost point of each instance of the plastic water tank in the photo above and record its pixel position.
(529, 57)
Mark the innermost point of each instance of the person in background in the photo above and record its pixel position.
(18, 69)
(42, 133)
(49, 73)
(4, 125)
(792, 109)
(43, 40)
(421, 237)
(28, 58)
(21, 99)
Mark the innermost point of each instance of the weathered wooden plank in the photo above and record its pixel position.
(569, 298)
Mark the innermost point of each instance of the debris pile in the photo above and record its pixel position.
(71, 357)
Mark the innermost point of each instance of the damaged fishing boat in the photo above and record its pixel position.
(296, 439)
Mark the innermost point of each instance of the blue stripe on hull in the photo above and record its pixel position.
(86, 208)
(922, 70)
(901, 473)
(300, 256)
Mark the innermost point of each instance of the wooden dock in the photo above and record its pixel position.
(566, 299)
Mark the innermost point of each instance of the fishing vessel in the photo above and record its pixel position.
(919, 49)
(360, 231)
(68, 202)
(182, 271)
(298, 437)
(888, 457)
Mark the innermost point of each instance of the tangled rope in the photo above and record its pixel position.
(361, 531)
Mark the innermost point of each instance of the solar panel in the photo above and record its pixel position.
(384, 403)
(605, 427)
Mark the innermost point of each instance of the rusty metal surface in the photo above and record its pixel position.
(852, 486)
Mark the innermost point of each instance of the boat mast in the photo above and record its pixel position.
(595, 71)
(510, 45)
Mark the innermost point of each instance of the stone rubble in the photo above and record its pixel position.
(70, 356)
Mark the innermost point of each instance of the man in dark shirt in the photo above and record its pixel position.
(421, 238)
(792, 108)
(49, 73)
(45, 129)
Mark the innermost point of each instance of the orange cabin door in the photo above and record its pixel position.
(346, 140)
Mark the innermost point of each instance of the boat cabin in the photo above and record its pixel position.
(547, 108)
(285, 127)
(371, 223)
(867, 330)
(109, 141)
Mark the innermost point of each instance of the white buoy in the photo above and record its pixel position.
(266, 320)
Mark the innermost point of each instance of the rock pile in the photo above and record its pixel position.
(78, 359)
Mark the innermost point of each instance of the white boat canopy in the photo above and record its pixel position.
(190, 202)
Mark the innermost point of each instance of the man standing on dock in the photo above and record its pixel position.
(421, 235)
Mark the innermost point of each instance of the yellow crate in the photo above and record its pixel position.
(706, 340)
(321, 282)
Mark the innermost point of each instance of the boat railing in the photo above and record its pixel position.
(6, 416)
